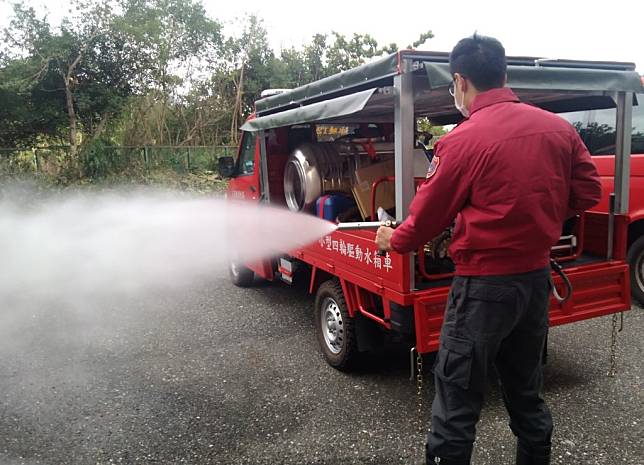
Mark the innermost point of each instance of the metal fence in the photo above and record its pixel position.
(101, 161)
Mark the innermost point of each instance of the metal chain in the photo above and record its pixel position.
(419, 399)
(613, 347)
(419, 390)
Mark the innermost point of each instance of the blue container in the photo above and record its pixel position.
(330, 206)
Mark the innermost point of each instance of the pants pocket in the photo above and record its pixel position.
(454, 361)
(491, 310)
(493, 293)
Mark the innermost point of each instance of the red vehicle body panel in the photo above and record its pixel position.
(606, 167)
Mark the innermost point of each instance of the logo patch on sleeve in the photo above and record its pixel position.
(433, 167)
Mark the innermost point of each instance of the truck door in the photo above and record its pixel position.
(245, 184)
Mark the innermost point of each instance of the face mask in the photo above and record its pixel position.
(461, 107)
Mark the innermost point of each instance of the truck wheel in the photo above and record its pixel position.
(335, 329)
(635, 258)
(240, 275)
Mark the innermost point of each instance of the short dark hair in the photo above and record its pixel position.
(480, 59)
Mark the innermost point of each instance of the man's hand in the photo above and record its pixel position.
(383, 238)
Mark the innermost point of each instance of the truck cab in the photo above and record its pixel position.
(597, 128)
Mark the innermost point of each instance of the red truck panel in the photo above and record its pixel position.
(599, 289)
(353, 255)
(606, 167)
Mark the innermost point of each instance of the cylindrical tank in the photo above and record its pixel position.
(311, 170)
(314, 169)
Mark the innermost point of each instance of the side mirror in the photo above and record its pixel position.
(226, 167)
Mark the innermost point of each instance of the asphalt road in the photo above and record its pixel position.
(213, 374)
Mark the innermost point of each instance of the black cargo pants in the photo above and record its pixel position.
(491, 322)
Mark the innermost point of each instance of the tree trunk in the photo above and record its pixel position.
(161, 120)
(144, 112)
(73, 126)
(68, 78)
(234, 127)
(100, 127)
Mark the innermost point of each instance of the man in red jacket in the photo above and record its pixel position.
(510, 174)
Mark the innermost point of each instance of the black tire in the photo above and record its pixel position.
(335, 329)
(635, 258)
(240, 275)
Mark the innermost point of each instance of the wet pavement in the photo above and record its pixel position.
(213, 374)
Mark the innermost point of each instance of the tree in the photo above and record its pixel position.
(107, 52)
(424, 37)
(425, 126)
(81, 61)
(176, 47)
(150, 72)
(28, 111)
(253, 61)
(314, 58)
(30, 103)
(289, 70)
(345, 53)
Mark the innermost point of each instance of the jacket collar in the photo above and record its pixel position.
(491, 97)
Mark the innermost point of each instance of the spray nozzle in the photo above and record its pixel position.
(366, 225)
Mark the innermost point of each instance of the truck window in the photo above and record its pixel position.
(597, 128)
(246, 163)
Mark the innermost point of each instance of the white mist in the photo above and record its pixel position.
(70, 246)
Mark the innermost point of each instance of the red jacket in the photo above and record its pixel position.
(510, 175)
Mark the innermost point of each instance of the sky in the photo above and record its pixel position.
(585, 30)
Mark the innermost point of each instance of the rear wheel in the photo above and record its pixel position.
(335, 328)
(240, 275)
(635, 259)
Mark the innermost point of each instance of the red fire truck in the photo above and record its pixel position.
(349, 145)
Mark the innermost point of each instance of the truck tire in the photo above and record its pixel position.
(635, 258)
(335, 328)
(240, 275)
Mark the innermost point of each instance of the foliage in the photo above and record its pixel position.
(148, 72)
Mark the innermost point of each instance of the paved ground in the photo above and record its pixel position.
(219, 375)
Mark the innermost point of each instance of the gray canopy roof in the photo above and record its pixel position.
(364, 94)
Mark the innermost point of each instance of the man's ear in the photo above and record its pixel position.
(463, 82)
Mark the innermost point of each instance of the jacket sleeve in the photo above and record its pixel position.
(585, 186)
(436, 204)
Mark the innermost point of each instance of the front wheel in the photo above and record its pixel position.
(240, 275)
(635, 259)
(334, 327)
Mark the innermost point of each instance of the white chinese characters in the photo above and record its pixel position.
(357, 253)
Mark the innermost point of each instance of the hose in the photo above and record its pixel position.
(559, 270)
